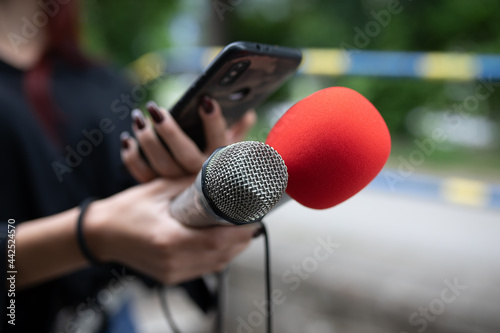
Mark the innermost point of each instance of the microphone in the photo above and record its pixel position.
(334, 142)
(238, 184)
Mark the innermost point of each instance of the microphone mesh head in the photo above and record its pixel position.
(245, 180)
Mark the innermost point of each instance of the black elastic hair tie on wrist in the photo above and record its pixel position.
(79, 232)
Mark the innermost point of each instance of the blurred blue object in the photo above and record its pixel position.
(454, 190)
(334, 62)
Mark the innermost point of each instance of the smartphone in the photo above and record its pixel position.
(240, 77)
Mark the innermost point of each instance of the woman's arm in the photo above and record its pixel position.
(134, 228)
(47, 247)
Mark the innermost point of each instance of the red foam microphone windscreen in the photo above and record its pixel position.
(334, 142)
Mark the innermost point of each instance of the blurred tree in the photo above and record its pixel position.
(438, 25)
(122, 31)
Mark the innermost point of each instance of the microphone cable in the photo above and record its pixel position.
(161, 291)
(162, 295)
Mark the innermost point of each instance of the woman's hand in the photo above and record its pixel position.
(185, 157)
(134, 227)
(138, 229)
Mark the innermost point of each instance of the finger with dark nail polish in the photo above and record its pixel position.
(258, 232)
(124, 139)
(138, 119)
(207, 104)
(155, 112)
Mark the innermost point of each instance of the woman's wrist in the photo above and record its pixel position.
(94, 230)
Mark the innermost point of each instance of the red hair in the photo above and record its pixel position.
(62, 43)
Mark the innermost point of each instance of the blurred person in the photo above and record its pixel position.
(61, 147)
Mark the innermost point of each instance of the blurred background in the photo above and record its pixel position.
(419, 249)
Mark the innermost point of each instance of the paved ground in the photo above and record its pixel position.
(380, 262)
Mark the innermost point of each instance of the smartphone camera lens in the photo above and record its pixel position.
(226, 80)
(234, 72)
(240, 65)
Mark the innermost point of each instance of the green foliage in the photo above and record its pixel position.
(124, 30)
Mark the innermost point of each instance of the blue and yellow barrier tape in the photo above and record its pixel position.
(455, 190)
(336, 62)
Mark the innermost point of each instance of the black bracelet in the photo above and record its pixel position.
(79, 232)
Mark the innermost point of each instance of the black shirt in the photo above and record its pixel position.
(40, 178)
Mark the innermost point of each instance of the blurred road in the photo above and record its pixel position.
(379, 262)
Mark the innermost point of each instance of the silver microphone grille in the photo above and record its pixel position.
(245, 180)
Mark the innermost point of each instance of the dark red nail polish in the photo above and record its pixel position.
(124, 139)
(207, 104)
(138, 119)
(154, 111)
(125, 144)
(258, 232)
